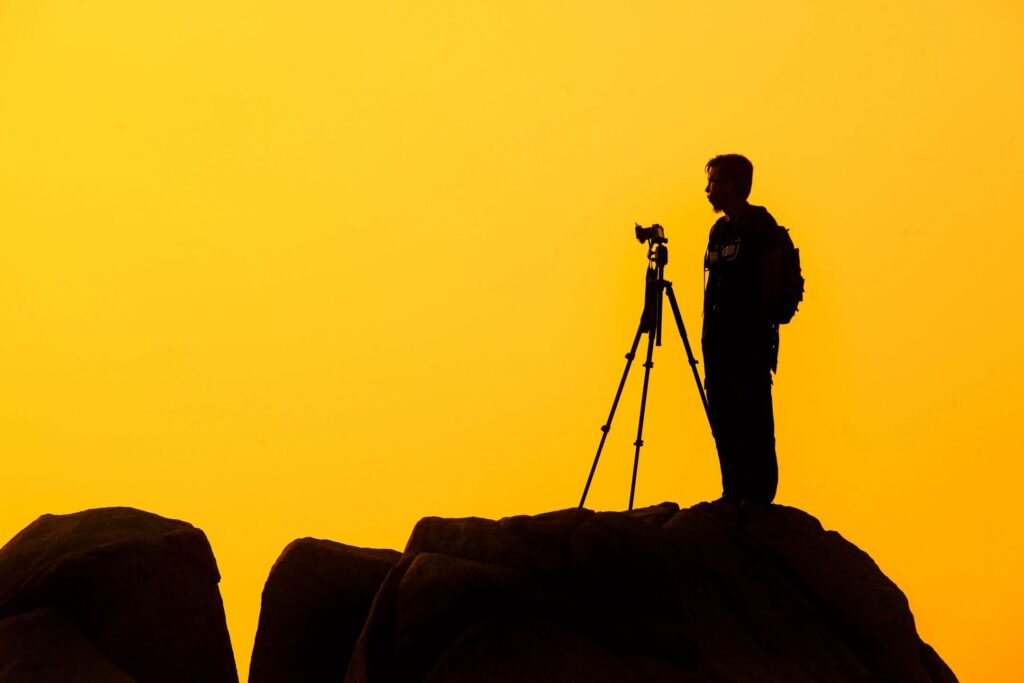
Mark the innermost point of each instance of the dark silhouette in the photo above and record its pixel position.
(315, 603)
(115, 595)
(747, 260)
(658, 594)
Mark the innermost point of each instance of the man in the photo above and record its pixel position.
(739, 338)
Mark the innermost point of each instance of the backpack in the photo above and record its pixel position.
(790, 290)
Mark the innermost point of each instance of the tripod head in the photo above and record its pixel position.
(657, 252)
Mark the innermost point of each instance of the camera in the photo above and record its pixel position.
(654, 234)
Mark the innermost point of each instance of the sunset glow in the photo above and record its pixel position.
(321, 270)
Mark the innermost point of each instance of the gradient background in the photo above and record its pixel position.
(322, 270)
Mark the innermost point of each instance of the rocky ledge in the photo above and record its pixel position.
(658, 594)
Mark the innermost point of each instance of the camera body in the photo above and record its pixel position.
(654, 234)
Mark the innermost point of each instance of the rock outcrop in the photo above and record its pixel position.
(315, 603)
(652, 595)
(111, 595)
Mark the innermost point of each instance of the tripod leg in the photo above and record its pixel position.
(689, 351)
(606, 427)
(651, 337)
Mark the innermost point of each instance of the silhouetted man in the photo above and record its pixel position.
(739, 340)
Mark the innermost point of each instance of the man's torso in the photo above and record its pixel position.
(736, 329)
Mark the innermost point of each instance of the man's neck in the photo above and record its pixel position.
(736, 210)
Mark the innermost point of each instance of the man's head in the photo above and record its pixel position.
(729, 180)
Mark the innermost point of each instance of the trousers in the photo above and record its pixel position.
(743, 424)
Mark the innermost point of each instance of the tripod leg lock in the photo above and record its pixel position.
(649, 364)
(605, 428)
(638, 443)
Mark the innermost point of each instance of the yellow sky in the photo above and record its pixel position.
(322, 270)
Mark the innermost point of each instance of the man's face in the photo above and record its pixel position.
(717, 190)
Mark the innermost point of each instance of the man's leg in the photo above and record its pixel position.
(740, 403)
(722, 407)
(761, 470)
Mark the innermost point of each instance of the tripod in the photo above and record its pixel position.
(650, 324)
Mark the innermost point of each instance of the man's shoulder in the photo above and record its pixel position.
(763, 227)
(755, 223)
(758, 217)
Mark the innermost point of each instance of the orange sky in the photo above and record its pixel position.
(289, 272)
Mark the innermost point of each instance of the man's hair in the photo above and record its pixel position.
(736, 169)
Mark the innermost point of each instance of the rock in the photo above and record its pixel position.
(43, 647)
(937, 669)
(840, 581)
(524, 542)
(652, 595)
(141, 589)
(315, 603)
(554, 652)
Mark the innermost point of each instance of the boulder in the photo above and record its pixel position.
(43, 647)
(659, 594)
(139, 588)
(315, 603)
